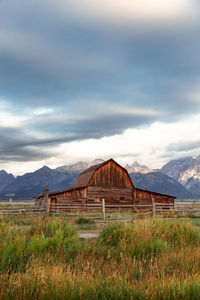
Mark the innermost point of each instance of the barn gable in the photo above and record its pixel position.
(107, 174)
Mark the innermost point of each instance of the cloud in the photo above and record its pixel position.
(16, 146)
(72, 72)
(128, 11)
(37, 136)
(88, 122)
(186, 146)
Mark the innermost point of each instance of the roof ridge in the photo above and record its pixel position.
(95, 167)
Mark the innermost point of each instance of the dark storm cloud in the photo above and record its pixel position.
(68, 62)
(17, 146)
(94, 126)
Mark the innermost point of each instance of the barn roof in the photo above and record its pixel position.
(85, 176)
(57, 192)
(62, 191)
(148, 191)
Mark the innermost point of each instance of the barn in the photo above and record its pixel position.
(108, 181)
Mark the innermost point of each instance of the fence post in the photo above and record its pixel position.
(153, 207)
(103, 210)
(46, 199)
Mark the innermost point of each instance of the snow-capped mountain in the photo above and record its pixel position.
(79, 166)
(137, 168)
(186, 171)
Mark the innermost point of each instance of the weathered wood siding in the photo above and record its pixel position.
(145, 197)
(74, 196)
(112, 196)
(111, 175)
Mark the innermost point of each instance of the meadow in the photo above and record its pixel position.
(43, 258)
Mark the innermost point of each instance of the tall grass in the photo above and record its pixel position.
(145, 260)
(84, 220)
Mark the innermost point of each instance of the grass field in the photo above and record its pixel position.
(43, 258)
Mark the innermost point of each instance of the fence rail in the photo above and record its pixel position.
(101, 208)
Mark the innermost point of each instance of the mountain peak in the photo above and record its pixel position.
(99, 159)
(137, 168)
(76, 167)
(135, 164)
(5, 179)
(186, 171)
(3, 172)
(45, 168)
(96, 161)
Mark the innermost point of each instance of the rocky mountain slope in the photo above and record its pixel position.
(186, 171)
(137, 168)
(160, 183)
(32, 184)
(5, 179)
(79, 166)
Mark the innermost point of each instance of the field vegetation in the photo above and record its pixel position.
(43, 258)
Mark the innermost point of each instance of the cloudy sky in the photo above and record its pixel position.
(86, 79)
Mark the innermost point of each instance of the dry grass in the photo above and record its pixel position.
(147, 260)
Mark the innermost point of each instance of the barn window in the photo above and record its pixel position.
(122, 198)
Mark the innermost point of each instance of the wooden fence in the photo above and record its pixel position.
(19, 208)
(99, 210)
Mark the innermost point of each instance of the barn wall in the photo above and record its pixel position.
(145, 197)
(72, 197)
(111, 175)
(112, 196)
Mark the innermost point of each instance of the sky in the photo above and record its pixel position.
(88, 79)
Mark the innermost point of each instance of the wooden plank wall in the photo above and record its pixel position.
(111, 175)
(112, 196)
(75, 198)
(145, 197)
(81, 199)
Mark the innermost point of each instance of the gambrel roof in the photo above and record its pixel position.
(84, 178)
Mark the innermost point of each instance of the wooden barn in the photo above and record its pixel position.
(108, 181)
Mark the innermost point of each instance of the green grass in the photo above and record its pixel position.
(84, 220)
(148, 259)
(195, 221)
(85, 226)
(84, 223)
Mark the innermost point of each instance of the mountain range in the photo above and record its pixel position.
(186, 171)
(180, 178)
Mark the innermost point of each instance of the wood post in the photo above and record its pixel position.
(103, 210)
(46, 199)
(153, 207)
